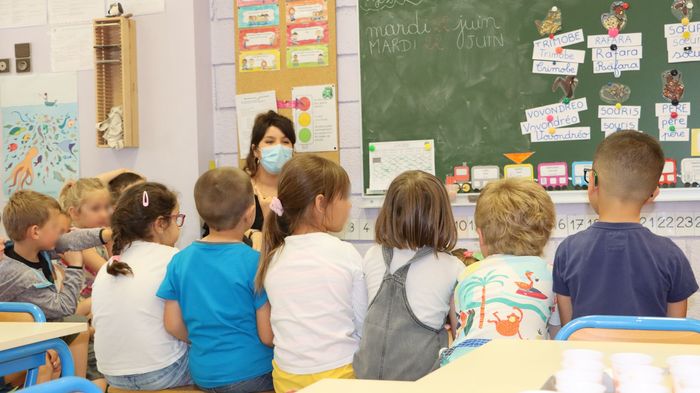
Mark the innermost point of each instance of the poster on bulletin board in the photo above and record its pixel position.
(287, 48)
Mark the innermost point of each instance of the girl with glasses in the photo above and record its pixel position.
(132, 347)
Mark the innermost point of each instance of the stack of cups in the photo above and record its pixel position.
(633, 373)
(685, 372)
(582, 372)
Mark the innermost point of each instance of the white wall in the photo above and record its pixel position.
(174, 82)
(222, 53)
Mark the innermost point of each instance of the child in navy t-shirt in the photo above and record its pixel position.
(617, 266)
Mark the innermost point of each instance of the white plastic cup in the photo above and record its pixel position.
(682, 370)
(639, 378)
(630, 358)
(642, 388)
(573, 376)
(581, 387)
(540, 391)
(687, 378)
(682, 360)
(582, 355)
(579, 364)
(638, 370)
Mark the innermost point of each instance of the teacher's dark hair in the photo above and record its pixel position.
(262, 122)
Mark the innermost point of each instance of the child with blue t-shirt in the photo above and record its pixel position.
(618, 267)
(210, 293)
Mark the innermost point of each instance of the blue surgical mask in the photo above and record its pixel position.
(274, 158)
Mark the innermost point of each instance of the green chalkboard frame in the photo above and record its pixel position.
(472, 101)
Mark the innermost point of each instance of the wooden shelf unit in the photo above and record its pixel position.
(115, 75)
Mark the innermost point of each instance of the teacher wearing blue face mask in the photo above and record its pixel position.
(271, 146)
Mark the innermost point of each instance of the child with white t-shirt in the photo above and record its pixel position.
(133, 349)
(410, 278)
(313, 280)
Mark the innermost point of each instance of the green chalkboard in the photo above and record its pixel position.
(460, 72)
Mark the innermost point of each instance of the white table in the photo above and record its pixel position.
(503, 366)
(17, 334)
(23, 346)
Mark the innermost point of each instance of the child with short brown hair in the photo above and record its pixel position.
(119, 183)
(33, 223)
(636, 272)
(508, 295)
(210, 293)
(410, 278)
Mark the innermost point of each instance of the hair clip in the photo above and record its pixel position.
(276, 206)
(144, 200)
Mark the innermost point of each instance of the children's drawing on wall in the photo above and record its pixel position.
(39, 132)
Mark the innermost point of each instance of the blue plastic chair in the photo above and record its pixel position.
(64, 385)
(30, 363)
(28, 308)
(634, 329)
(31, 357)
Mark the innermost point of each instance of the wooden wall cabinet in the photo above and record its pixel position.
(115, 75)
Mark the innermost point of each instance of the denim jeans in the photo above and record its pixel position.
(176, 374)
(262, 383)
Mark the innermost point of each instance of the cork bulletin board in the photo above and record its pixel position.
(283, 45)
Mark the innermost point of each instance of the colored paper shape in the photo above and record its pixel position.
(258, 16)
(307, 56)
(306, 11)
(519, 158)
(695, 142)
(259, 39)
(264, 60)
(245, 3)
(307, 34)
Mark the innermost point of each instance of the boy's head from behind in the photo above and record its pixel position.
(33, 217)
(514, 217)
(627, 165)
(224, 197)
(416, 214)
(121, 182)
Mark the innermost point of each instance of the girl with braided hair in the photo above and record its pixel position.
(133, 350)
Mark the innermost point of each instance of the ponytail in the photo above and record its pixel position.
(118, 268)
(275, 229)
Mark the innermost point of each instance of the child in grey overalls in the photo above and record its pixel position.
(415, 229)
(395, 344)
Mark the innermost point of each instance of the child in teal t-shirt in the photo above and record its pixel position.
(213, 284)
(508, 295)
(209, 286)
